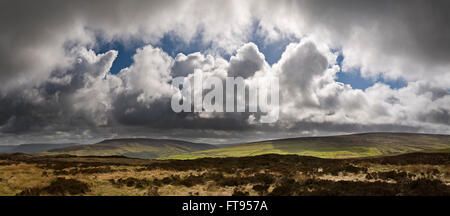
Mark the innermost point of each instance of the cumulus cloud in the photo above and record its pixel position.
(54, 86)
(78, 94)
(149, 76)
(247, 61)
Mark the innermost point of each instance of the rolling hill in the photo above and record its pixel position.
(136, 148)
(32, 148)
(345, 146)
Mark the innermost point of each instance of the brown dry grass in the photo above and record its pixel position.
(263, 175)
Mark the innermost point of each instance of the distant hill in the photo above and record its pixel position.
(32, 148)
(136, 148)
(345, 146)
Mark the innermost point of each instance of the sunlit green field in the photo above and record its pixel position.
(284, 148)
(359, 145)
(446, 150)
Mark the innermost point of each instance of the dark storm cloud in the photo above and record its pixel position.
(34, 34)
(419, 27)
(406, 39)
(440, 116)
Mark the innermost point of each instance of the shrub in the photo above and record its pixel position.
(237, 192)
(261, 189)
(60, 186)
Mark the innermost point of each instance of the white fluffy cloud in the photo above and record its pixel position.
(247, 61)
(51, 80)
(149, 76)
(311, 94)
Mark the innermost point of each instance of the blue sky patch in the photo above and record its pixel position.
(173, 45)
(354, 78)
(273, 50)
(124, 56)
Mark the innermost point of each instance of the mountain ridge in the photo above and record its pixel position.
(32, 148)
(146, 148)
(339, 146)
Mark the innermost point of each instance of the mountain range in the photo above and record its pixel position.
(343, 146)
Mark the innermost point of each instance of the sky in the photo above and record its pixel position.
(74, 71)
